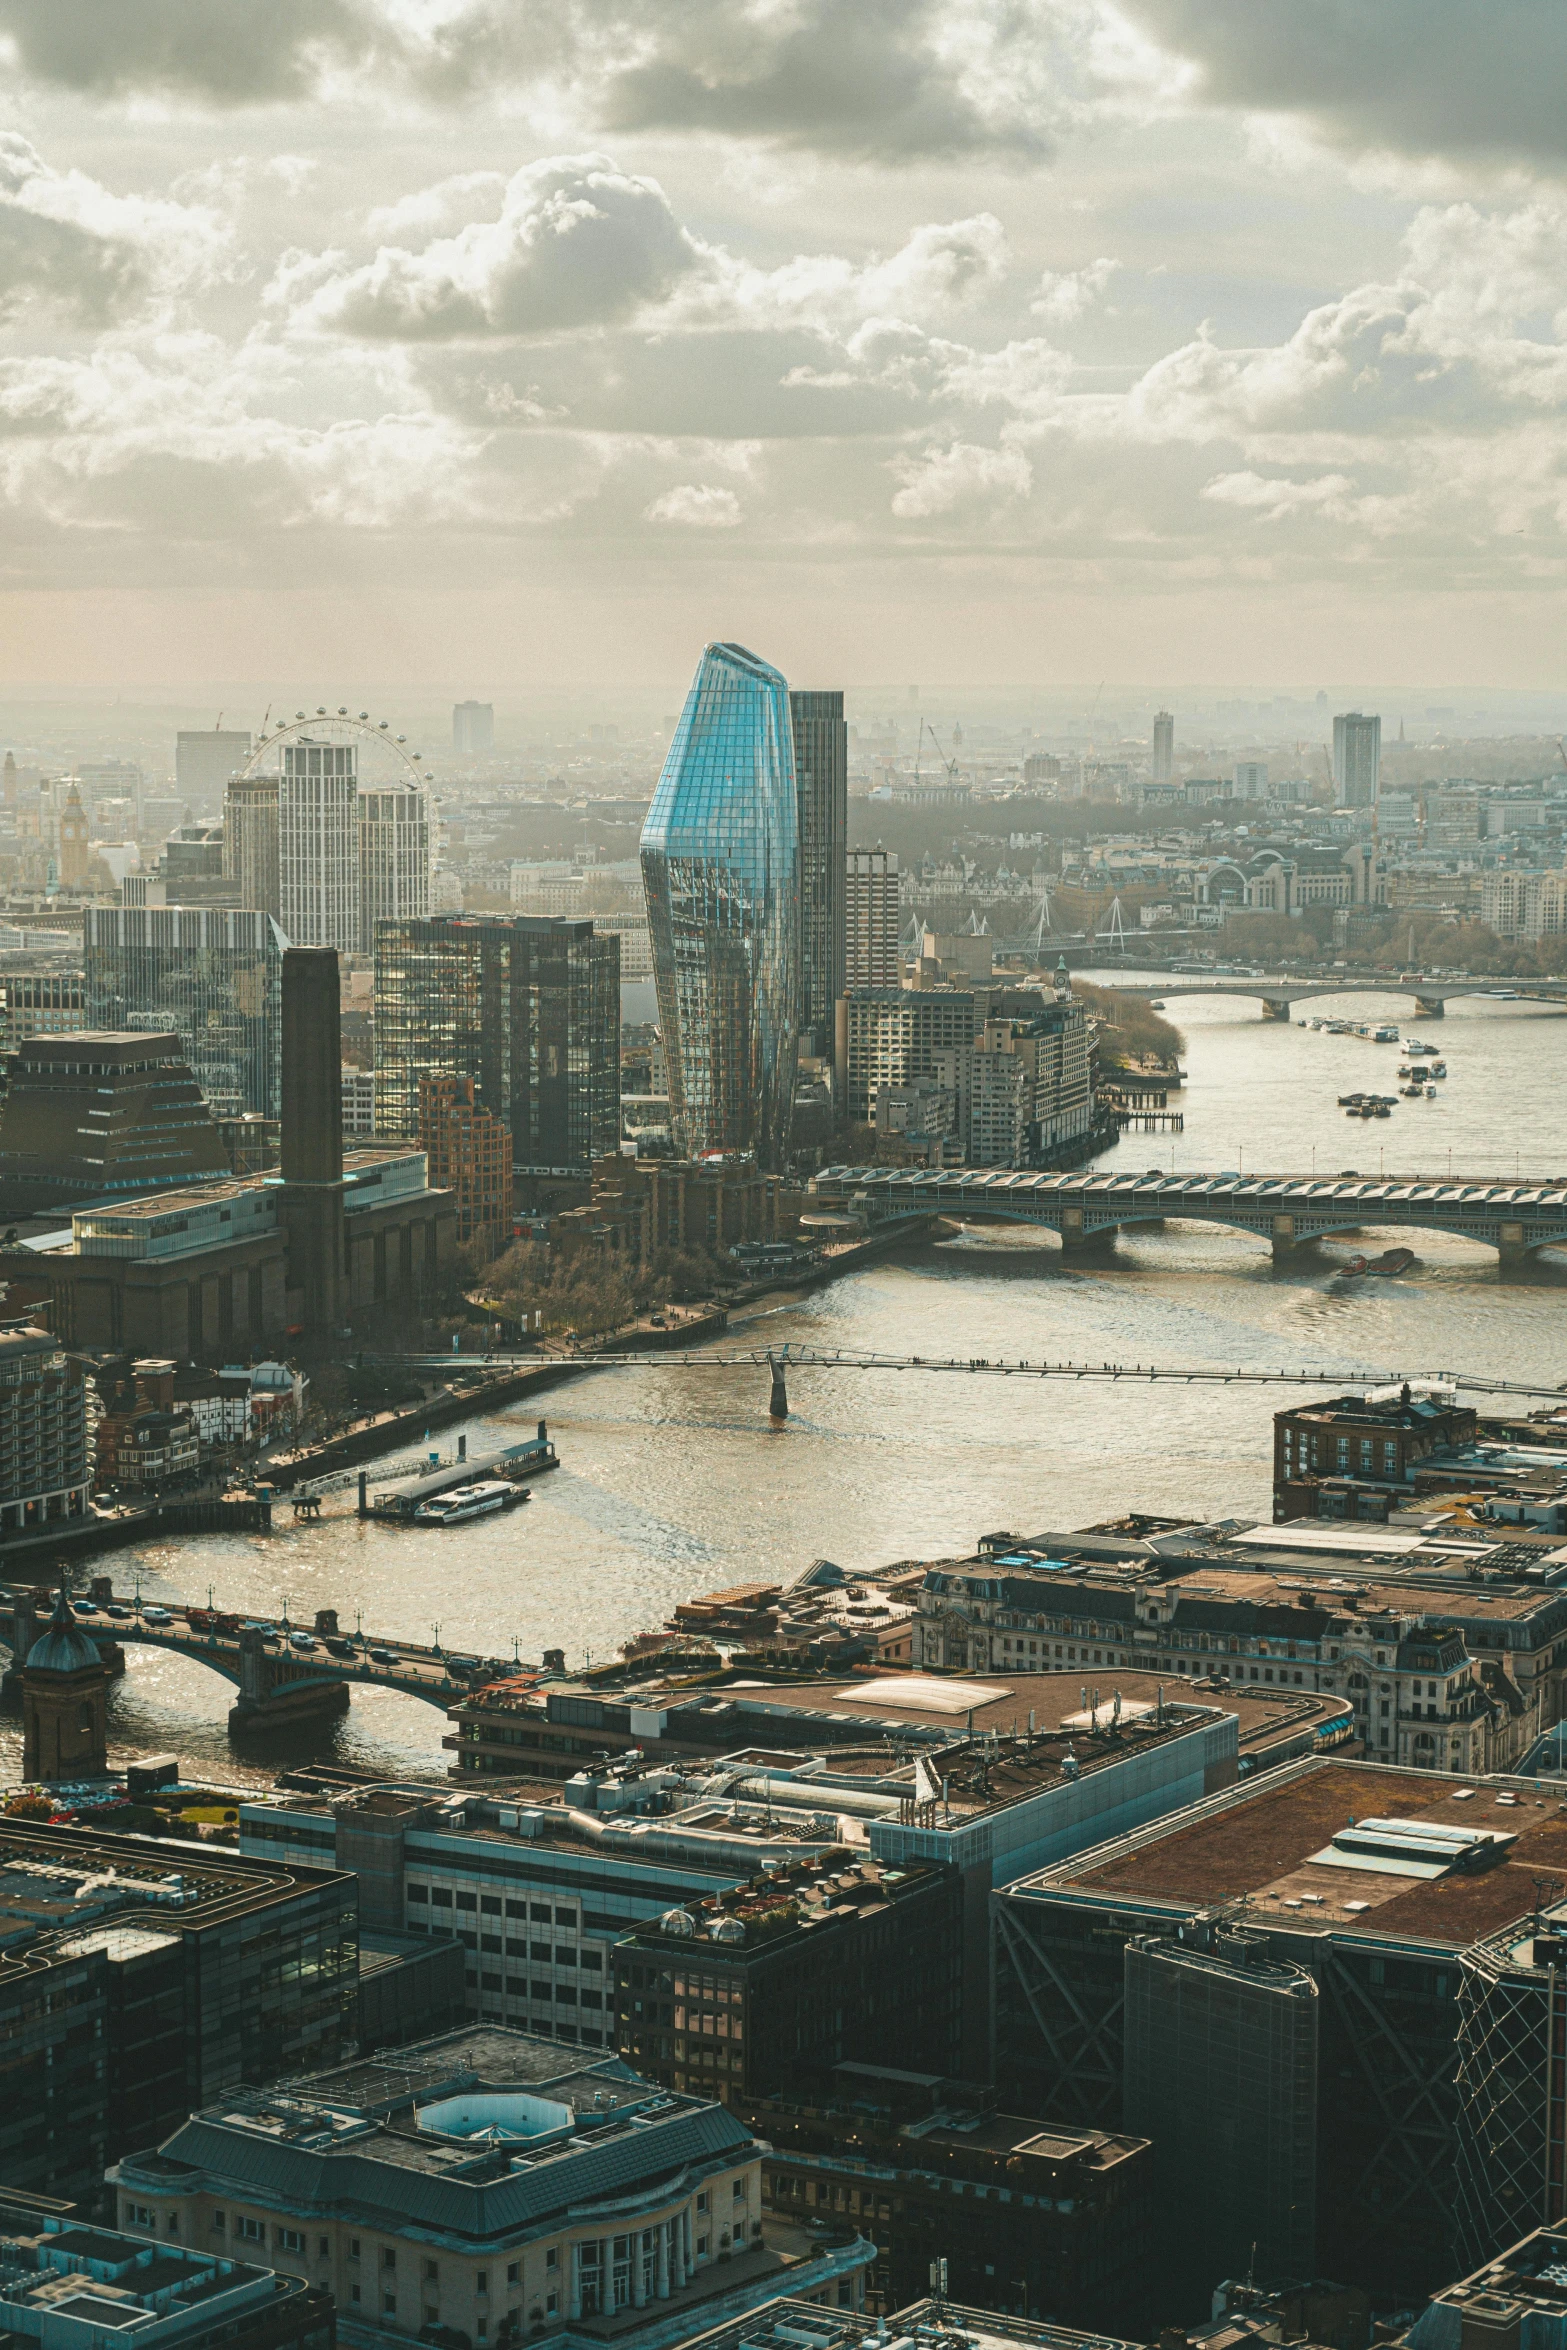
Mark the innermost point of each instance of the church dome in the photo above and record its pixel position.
(65, 1647)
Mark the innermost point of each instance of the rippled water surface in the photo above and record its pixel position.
(674, 1481)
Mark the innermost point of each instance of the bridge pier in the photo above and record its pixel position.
(1276, 1007)
(778, 1402)
(272, 1697)
(1077, 1240)
(1431, 1007)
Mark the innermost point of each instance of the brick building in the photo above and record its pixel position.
(469, 1152)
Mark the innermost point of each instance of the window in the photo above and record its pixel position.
(552, 2259)
(217, 2223)
(739, 2190)
(432, 2271)
(514, 2272)
(249, 2230)
(540, 1910)
(551, 2304)
(388, 2256)
(323, 2246)
(418, 1892)
(481, 2283)
(389, 2304)
(353, 2247)
(701, 2201)
(490, 1904)
(353, 2292)
(137, 2215)
(441, 1895)
(289, 2239)
(467, 1901)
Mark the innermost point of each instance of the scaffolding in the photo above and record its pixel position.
(1512, 2085)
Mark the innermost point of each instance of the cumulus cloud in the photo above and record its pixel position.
(1418, 77)
(697, 506)
(577, 243)
(67, 240)
(1064, 295)
(963, 475)
(225, 52)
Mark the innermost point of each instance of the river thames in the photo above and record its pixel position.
(674, 1481)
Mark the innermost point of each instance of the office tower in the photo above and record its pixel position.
(821, 768)
(204, 760)
(312, 1153)
(318, 845)
(469, 1153)
(1251, 779)
(1163, 746)
(1357, 758)
(250, 852)
(473, 727)
(74, 844)
(132, 1097)
(211, 976)
(526, 1005)
(720, 864)
(394, 858)
(903, 1036)
(104, 780)
(871, 917)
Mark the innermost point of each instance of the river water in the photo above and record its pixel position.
(674, 1481)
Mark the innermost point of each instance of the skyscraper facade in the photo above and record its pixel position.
(204, 759)
(720, 864)
(526, 1005)
(394, 859)
(1357, 759)
(318, 846)
(821, 769)
(473, 727)
(871, 915)
(250, 846)
(1163, 746)
(207, 975)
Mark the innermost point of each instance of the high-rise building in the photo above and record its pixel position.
(211, 976)
(1163, 746)
(250, 845)
(821, 769)
(1251, 779)
(897, 1036)
(318, 845)
(473, 727)
(45, 1473)
(528, 1006)
(394, 858)
(871, 920)
(204, 759)
(469, 1154)
(720, 863)
(102, 781)
(1357, 759)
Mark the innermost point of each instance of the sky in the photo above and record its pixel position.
(488, 347)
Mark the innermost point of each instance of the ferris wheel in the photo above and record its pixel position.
(337, 726)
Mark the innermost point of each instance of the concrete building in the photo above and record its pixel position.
(66, 2284)
(473, 728)
(741, 1997)
(1163, 746)
(40, 1003)
(1028, 2215)
(490, 2185)
(1524, 906)
(250, 842)
(1511, 2301)
(1382, 1886)
(318, 846)
(45, 1472)
(394, 859)
(136, 1984)
(204, 761)
(872, 920)
(893, 1035)
(795, 2325)
(131, 1097)
(358, 1103)
(1357, 759)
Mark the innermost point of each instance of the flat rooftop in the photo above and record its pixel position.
(1259, 1844)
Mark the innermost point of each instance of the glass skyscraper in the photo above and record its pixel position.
(211, 975)
(720, 863)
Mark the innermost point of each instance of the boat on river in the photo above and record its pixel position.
(462, 1502)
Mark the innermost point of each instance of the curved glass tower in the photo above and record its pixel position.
(720, 860)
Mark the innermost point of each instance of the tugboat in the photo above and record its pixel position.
(1393, 1260)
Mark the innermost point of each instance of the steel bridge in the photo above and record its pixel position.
(1289, 1211)
(1279, 995)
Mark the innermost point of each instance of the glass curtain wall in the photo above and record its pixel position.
(213, 976)
(720, 864)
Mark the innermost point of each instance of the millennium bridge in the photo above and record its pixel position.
(1289, 1211)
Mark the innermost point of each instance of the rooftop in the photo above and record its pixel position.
(1308, 1847)
(55, 2268)
(923, 2325)
(1526, 2282)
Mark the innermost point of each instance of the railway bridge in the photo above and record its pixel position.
(1289, 1211)
(282, 1673)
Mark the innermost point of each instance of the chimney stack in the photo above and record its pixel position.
(312, 1102)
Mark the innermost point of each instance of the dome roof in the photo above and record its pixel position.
(65, 1647)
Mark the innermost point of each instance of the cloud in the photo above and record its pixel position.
(68, 241)
(1064, 295)
(224, 52)
(577, 243)
(1420, 77)
(698, 506)
(962, 475)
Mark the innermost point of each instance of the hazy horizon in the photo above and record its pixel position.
(502, 353)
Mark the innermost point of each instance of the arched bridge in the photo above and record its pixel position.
(1290, 1211)
(281, 1672)
(1279, 996)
